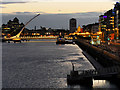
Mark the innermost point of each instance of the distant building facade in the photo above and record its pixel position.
(95, 28)
(73, 24)
(91, 28)
(109, 23)
(117, 19)
(106, 24)
(12, 27)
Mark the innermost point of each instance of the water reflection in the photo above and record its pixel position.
(42, 65)
(103, 84)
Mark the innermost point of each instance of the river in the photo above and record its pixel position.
(43, 64)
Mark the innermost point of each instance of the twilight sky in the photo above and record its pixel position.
(55, 13)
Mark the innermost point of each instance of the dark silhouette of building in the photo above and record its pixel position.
(117, 19)
(91, 28)
(106, 24)
(73, 25)
(109, 23)
(43, 31)
(12, 27)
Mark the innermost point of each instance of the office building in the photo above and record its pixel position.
(73, 25)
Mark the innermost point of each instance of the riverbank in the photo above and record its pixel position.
(104, 57)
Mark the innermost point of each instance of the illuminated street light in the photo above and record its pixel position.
(117, 29)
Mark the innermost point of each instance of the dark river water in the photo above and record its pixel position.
(43, 64)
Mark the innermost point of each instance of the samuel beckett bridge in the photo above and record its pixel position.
(18, 38)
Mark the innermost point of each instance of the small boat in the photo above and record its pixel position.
(69, 41)
(60, 40)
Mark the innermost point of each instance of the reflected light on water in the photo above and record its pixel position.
(43, 65)
(102, 84)
(99, 83)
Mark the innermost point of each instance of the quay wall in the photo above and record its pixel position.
(105, 58)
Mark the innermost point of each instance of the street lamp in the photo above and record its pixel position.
(117, 29)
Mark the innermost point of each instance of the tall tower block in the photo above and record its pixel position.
(73, 25)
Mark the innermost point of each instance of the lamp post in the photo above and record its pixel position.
(117, 29)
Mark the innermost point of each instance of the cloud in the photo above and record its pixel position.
(81, 15)
(2, 7)
(24, 1)
(53, 20)
(59, 10)
(76, 15)
(115, 0)
(27, 13)
(45, 0)
(13, 2)
(76, 0)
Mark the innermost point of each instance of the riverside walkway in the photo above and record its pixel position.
(96, 65)
(99, 73)
(101, 53)
(107, 65)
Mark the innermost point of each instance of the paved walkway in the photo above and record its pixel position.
(99, 68)
(96, 65)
